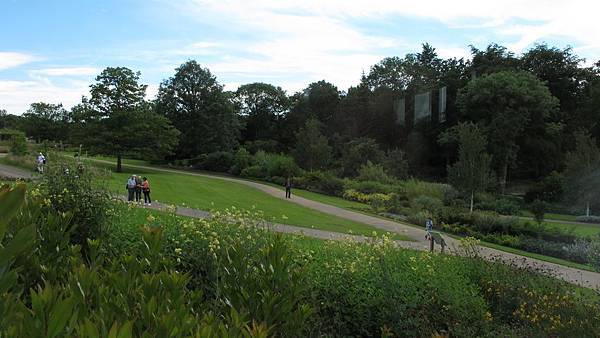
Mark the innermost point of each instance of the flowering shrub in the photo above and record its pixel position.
(159, 274)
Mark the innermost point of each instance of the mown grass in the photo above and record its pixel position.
(552, 216)
(206, 193)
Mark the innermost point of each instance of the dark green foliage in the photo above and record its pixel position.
(583, 171)
(550, 189)
(196, 105)
(46, 121)
(220, 161)
(262, 107)
(322, 182)
(358, 152)
(312, 150)
(118, 121)
(18, 144)
(266, 166)
(241, 160)
(539, 209)
(79, 195)
(510, 105)
(396, 164)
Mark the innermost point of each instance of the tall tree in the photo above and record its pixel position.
(119, 122)
(262, 106)
(494, 58)
(472, 172)
(312, 150)
(506, 103)
(197, 106)
(46, 121)
(583, 170)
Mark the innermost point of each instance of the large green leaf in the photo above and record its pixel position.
(59, 317)
(10, 203)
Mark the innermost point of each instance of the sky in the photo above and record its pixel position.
(51, 50)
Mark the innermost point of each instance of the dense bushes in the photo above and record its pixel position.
(162, 275)
(321, 182)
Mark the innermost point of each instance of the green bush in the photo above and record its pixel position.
(501, 205)
(220, 161)
(373, 172)
(18, 144)
(321, 182)
(78, 194)
(550, 189)
(241, 160)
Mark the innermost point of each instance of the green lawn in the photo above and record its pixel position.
(583, 230)
(557, 217)
(214, 194)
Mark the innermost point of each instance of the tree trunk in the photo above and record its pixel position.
(472, 201)
(587, 209)
(119, 164)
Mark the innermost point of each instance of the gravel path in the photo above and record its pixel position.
(571, 275)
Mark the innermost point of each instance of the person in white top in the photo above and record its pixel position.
(41, 161)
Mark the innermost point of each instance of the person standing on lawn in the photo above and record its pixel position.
(131, 188)
(146, 191)
(138, 188)
(288, 187)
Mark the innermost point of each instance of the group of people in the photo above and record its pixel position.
(136, 185)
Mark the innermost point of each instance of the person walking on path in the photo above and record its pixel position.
(131, 188)
(138, 188)
(41, 161)
(288, 187)
(146, 190)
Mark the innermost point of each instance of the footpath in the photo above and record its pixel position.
(575, 276)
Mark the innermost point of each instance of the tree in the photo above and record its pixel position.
(197, 106)
(507, 104)
(262, 106)
(358, 152)
(312, 149)
(46, 121)
(471, 173)
(119, 122)
(583, 170)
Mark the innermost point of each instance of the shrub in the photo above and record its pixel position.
(220, 161)
(433, 205)
(255, 171)
(321, 182)
(396, 164)
(373, 172)
(18, 144)
(501, 205)
(241, 160)
(550, 189)
(79, 194)
(371, 187)
(275, 165)
(415, 188)
(538, 208)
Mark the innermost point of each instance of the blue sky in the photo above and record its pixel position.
(51, 50)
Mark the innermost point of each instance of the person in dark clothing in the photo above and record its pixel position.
(146, 190)
(138, 189)
(288, 187)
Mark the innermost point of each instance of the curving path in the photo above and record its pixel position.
(576, 276)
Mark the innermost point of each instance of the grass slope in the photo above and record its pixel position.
(214, 194)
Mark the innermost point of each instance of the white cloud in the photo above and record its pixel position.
(12, 59)
(16, 96)
(66, 71)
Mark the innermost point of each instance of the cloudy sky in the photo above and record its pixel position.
(51, 50)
